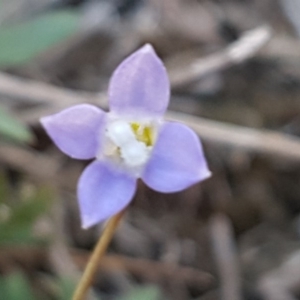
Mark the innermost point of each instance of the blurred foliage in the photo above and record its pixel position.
(15, 287)
(144, 293)
(17, 217)
(12, 129)
(21, 42)
(66, 288)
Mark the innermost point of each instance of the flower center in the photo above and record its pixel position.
(143, 134)
(129, 143)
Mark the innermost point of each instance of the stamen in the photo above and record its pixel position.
(143, 133)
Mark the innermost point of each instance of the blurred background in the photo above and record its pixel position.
(235, 74)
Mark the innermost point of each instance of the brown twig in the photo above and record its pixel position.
(54, 98)
(153, 271)
(226, 260)
(254, 140)
(43, 95)
(148, 270)
(29, 161)
(258, 141)
(49, 99)
(281, 283)
(235, 53)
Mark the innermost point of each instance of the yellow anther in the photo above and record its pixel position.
(143, 133)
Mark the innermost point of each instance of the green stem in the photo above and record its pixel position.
(99, 251)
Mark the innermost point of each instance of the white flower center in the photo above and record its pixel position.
(135, 153)
(128, 143)
(120, 133)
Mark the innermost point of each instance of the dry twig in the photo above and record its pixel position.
(226, 259)
(152, 271)
(148, 270)
(49, 99)
(52, 99)
(235, 53)
(28, 161)
(280, 283)
(249, 139)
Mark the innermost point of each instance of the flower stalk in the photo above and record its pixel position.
(98, 253)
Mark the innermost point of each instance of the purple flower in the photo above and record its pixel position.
(129, 142)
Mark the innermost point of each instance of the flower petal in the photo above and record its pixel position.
(102, 192)
(140, 85)
(177, 160)
(76, 131)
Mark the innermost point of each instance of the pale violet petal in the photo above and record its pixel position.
(177, 160)
(140, 85)
(103, 191)
(77, 130)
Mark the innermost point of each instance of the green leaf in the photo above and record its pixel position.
(3, 188)
(12, 128)
(18, 228)
(16, 287)
(66, 288)
(21, 42)
(144, 293)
